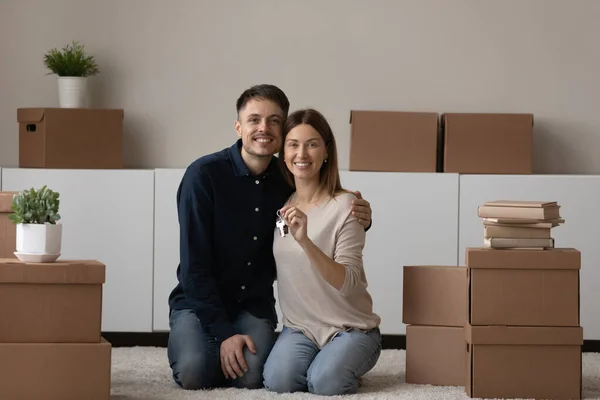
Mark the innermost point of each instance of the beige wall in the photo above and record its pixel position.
(177, 67)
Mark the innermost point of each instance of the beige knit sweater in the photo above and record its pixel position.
(308, 302)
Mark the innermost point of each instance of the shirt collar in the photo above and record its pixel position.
(239, 166)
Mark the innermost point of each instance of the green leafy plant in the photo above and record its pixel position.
(71, 60)
(35, 207)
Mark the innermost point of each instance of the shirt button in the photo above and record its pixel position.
(243, 287)
(257, 181)
(256, 209)
(255, 238)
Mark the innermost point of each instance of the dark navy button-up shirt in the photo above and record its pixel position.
(227, 221)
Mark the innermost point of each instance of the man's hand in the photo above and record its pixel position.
(232, 355)
(361, 209)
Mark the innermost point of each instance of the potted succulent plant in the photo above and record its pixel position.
(39, 236)
(73, 67)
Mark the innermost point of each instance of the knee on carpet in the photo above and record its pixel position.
(331, 383)
(194, 374)
(283, 378)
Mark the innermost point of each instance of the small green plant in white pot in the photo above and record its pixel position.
(73, 67)
(39, 235)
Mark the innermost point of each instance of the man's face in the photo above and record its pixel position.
(259, 125)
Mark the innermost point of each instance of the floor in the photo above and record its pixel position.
(142, 373)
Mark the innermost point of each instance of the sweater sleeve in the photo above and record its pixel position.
(195, 208)
(349, 245)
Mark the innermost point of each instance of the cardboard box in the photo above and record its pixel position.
(435, 355)
(393, 141)
(434, 295)
(77, 138)
(58, 302)
(65, 371)
(8, 230)
(523, 287)
(487, 143)
(523, 362)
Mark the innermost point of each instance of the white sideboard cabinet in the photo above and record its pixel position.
(107, 215)
(127, 219)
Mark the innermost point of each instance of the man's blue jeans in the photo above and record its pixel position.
(297, 365)
(194, 356)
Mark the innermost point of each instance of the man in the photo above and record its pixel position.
(222, 312)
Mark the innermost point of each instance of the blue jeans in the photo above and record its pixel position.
(195, 359)
(297, 365)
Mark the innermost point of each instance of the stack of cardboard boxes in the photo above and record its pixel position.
(50, 331)
(51, 345)
(400, 141)
(520, 335)
(434, 310)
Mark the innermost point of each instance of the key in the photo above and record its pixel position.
(281, 225)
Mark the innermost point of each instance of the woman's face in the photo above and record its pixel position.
(304, 152)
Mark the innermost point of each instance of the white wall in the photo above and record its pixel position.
(177, 68)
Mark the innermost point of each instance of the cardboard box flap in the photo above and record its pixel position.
(6, 201)
(555, 258)
(59, 272)
(30, 114)
(482, 116)
(394, 114)
(524, 335)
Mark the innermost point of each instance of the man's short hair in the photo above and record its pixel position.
(264, 91)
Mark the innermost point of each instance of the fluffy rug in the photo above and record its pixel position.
(142, 373)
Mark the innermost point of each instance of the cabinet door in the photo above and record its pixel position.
(107, 215)
(579, 198)
(166, 239)
(415, 222)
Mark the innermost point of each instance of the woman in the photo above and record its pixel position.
(331, 335)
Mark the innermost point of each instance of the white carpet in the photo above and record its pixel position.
(142, 373)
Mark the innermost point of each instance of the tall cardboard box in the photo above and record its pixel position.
(8, 230)
(55, 371)
(487, 143)
(523, 362)
(58, 302)
(50, 323)
(434, 305)
(393, 141)
(75, 138)
(523, 335)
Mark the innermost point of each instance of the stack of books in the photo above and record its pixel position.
(518, 224)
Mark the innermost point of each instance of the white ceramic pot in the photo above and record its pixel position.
(39, 239)
(72, 91)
